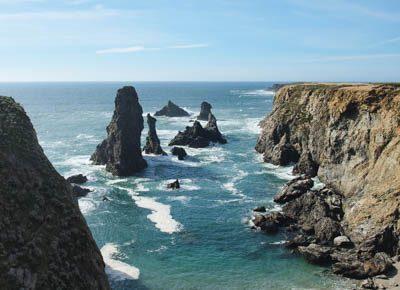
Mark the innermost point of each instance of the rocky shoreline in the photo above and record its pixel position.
(348, 136)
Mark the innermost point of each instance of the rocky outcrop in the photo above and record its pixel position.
(205, 111)
(77, 179)
(45, 242)
(172, 110)
(199, 137)
(180, 152)
(347, 135)
(174, 185)
(121, 151)
(79, 191)
(152, 142)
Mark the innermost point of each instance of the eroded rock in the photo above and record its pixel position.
(77, 179)
(205, 111)
(180, 152)
(153, 145)
(172, 110)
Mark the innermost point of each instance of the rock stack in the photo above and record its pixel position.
(121, 151)
(172, 110)
(199, 137)
(152, 142)
(45, 242)
(205, 111)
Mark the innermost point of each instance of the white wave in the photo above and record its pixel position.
(318, 184)
(116, 269)
(231, 185)
(160, 213)
(185, 184)
(75, 161)
(278, 243)
(169, 160)
(183, 199)
(115, 181)
(160, 249)
(86, 205)
(260, 92)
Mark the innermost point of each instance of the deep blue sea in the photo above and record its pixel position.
(197, 237)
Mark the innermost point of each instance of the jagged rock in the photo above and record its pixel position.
(368, 284)
(77, 179)
(271, 222)
(205, 111)
(172, 110)
(121, 150)
(342, 241)
(306, 165)
(174, 185)
(199, 137)
(80, 191)
(326, 229)
(260, 209)
(152, 142)
(45, 242)
(180, 152)
(293, 189)
(316, 254)
(299, 240)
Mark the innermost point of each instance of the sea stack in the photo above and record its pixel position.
(152, 142)
(45, 242)
(205, 111)
(172, 110)
(121, 151)
(348, 136)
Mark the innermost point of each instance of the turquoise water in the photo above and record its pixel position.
(197, 237)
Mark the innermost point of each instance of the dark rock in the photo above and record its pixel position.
(172, 110)
(80, 191)
(199, 137)
(77, 179)
(306, 165)
(316, 254)
(293, 189)
(45, 242)
(105, 198)
(299, 240)
(180, 152)
(260, 209)
(326, 229)
(379, 264)
(205, 111)
(271, 222)
(258, 220)
(121, 152)
(174, 185)
(152, 142)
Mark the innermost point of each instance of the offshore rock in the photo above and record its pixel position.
(199, 137)
(152, 142)
(79, 191)
(174, 185)
(172, 110)
(180, 152)
(121, 150)
(205, 111)
(45, 242)
(77, 179)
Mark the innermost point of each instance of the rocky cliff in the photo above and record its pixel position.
(121, 151)
(347, 135)
(44, 240)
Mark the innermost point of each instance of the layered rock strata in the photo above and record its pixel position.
(121, 151)
(45, 242)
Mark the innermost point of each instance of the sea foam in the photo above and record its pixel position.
(117, 269)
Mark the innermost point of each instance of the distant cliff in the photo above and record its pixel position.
(348, 135)
(45, 242)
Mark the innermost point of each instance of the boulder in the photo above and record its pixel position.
(342, 241)
(293, 189)
(174, 185)
(121, 151)
(205, 111)
(45, 242)
(77, 179)
(316, 254)
(172, 110)
(180, 152)
(152, 142)
(80, 191)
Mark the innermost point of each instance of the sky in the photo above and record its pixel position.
(200, 40)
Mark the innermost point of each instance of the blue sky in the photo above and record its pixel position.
(202, 40)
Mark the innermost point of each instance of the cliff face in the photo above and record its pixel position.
(44, 240)
(121, 151)
(349, 135)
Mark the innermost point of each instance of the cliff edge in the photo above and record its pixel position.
(349, 136)
(45, 242)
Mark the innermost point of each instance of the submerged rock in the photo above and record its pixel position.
(80, 191)
(174, 185)
(180, 152)
(77, 179)
(172, 110)
(260, 209)
(121, 150)
(205, 111)
(45, 242)
(152, 142)
(199, 137)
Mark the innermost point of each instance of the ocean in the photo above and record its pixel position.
(197, 237)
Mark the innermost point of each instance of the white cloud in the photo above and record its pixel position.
(351, 57)
(132, 49)
(186, 46)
